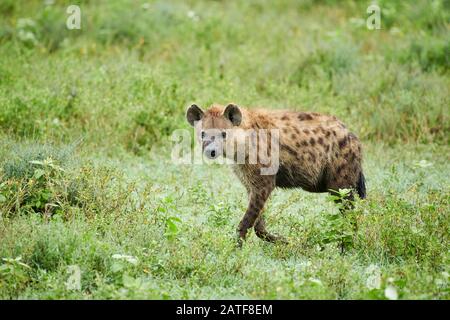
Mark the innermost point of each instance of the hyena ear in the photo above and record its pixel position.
(193, 114)
(233, 114)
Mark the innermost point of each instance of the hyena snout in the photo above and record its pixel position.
(212, 150)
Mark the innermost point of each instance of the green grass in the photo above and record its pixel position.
(85, 170)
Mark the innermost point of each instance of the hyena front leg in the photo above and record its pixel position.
(258, 194)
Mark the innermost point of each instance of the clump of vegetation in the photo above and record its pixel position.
(23, 160)
(326, 64)
(32, 179)
(430, 55)
(36, 194)
(339, 227)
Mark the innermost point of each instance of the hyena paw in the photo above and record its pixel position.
(240, 238)
(264, 235)
(281, 240)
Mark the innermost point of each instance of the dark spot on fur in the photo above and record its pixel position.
(285, 118)
(296, 130)
(285, 130)
(297, 144)
(327, 134)
(339, 169)
(327, 148)
(334, 133)
(312, 156)
(320, 141)
(306, 131)
(304, 116)
(314, 131)
(312, 141)
(304, 143)
(293, 136)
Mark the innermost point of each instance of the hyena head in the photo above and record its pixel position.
(213, 128)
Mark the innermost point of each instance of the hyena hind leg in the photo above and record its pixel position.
(262, 233)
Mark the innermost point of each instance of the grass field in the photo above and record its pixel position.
(88, 189)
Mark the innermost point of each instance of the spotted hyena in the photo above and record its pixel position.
(316, 153)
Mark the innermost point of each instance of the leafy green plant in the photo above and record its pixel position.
(220, 213)
(39, 197)
(13, 273)
(172, 229)
(339, 227)
(36, 194)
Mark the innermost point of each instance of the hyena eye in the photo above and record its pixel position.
(203, 134)
(224, 134)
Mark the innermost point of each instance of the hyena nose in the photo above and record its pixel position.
(211, 153)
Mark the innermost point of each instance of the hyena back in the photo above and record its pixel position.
(316, 153)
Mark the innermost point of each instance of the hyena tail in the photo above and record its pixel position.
(361, 186)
